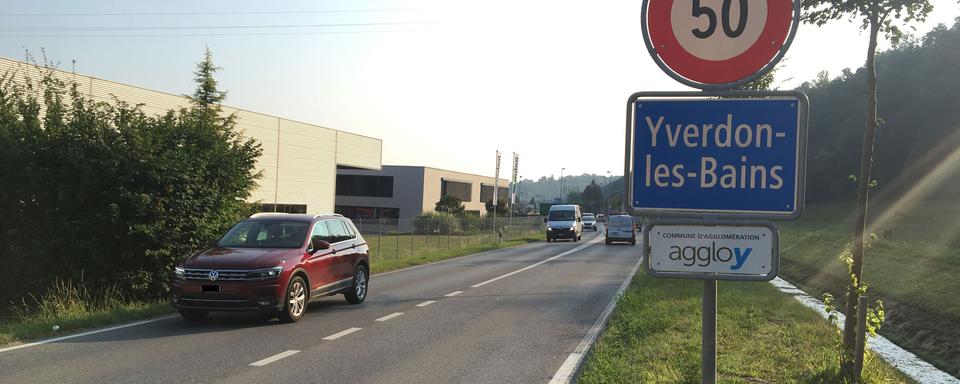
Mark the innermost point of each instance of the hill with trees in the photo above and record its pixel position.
(920, 116)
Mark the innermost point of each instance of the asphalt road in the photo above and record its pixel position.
(510, 323)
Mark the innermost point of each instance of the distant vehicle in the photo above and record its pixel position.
(601, 218)
(589, 222)
(621, 228)
(274, 263)
(564, 222)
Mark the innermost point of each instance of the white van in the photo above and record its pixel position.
(564, 222)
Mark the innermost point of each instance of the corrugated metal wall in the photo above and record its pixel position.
(299, 160)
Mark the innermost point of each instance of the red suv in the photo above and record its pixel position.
(275, 263)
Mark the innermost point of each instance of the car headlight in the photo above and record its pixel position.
(549, 229)
(268, 273)
(179, 273)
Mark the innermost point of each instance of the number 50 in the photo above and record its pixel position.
(725, 21)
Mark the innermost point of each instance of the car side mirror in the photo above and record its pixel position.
(578, 220)
(317, 243)
(544, 219)
(213, 243)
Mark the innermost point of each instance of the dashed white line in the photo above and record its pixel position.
(425, 303)
(390, 316)
(274, 358)
(598, 238)
(452, 294)
(341, 333)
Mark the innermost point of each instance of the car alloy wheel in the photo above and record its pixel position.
(295, 300)
(358, 291)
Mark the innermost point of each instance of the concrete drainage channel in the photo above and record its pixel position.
(899, 358)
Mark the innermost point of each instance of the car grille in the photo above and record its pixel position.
(204, 274)
(561, 230)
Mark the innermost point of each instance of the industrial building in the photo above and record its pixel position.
(299, 161)
(403, 192)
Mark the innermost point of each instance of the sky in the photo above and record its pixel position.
(443, 83)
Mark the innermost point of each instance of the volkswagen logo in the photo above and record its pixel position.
(213, 275)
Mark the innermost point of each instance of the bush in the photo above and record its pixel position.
(105, 194)
(439, 223)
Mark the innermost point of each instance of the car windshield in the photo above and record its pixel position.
(562, 215)
(266, 234)
(589, 217)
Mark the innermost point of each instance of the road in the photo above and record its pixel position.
(505, 316)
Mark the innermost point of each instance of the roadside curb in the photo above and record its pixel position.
(570, 369)
(901, 359)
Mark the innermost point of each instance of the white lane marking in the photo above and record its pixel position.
(452, 294)
(425, 303)
(342, 333)
(41, 342)
(390, 316)
(572, 364)
(274, 358)
(449, 260)
(591, 242)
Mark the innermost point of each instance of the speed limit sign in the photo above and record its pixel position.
(714, 44)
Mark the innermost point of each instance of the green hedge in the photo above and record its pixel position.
(107, 195)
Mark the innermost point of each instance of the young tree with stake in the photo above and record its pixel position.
(876, 16)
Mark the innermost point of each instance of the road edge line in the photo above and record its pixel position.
(570, 368)
(88, 333)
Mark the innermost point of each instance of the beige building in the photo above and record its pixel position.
(402, 192)
(299, 161)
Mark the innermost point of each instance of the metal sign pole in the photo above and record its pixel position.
(709, 335)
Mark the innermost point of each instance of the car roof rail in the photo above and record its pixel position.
(259, 214)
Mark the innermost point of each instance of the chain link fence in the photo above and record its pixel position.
(400, 238)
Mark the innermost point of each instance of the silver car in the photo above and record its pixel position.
(589, 222)
(621, 228)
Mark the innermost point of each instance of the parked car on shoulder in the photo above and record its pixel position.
(589, 222)
(275, 263)
(621, 228)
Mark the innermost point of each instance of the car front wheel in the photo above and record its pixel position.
(358, 291)
(295, 301)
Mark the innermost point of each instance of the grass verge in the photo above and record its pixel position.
(72, 308)
(387, 263)
(764, 336)
(911, 265)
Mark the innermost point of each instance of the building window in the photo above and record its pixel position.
(364, 186)
(364, 213)
(486, 193)
(456, 189)
(285, 208)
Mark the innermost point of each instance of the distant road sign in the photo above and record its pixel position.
(716, 251)
(712, 44)
(689, 154)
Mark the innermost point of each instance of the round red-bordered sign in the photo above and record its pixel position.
(714, 44)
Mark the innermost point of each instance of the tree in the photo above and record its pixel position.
(592, 197)
(501, 207)
(876, 16)
(450, 204)
(762, 83)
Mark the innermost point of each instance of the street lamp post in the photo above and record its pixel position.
(606, 204)
(561, 185)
